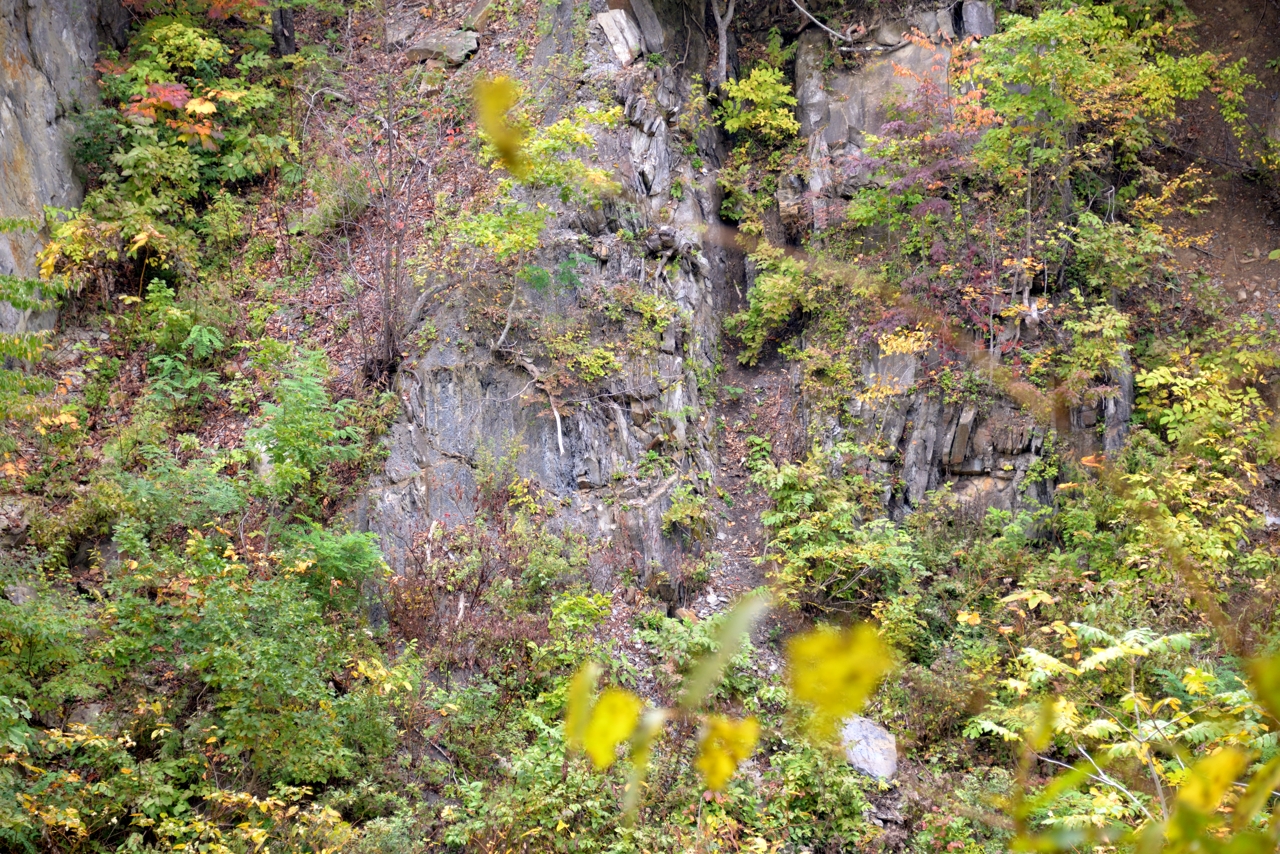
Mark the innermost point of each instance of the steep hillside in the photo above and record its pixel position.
(639, 426)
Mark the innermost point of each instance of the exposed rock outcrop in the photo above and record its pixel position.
(47, 51)
(451, 47)
(585, 450)
(987, 453)
(869, 747)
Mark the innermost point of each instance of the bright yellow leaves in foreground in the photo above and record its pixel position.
(832, 671)
(835, 672)
(613, 720)
(494, 100)
(725, 743)
(1208, 780)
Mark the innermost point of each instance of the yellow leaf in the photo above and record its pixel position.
(225, 95)
(1209, 779)
(1266, 683)
(494, 100)
(613, 720)
(725, 743)
(139, 240)
(968, 618)
(1258, 793)
(201, 107)
(835, 672)
(578, 705)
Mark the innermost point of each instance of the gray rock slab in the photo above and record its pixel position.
(979, 18)
(479, 15)
(655, 40)
(452, 47)
(624, 37)
(890, 33)
(400, 31)
(86, 714)
(19, 594)
(869, 747)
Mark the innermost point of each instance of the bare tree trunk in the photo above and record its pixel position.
(282, 31)
(723, 19)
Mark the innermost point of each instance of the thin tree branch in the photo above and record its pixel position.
(829, 31)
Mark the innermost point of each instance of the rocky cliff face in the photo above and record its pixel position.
(984, 450)
(47, 51)
(461, 404)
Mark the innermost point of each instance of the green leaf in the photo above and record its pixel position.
(704, 677)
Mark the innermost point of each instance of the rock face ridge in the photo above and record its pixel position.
(987, 452)
(463, 404)
(47, 51)
(460, 407)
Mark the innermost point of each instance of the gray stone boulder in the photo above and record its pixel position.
(890, 33)
(979, 18)
(479, 15)
(452, 47)
(869, 747)
(622, 33)
(400, 31)
(20, 593)
(15, 511)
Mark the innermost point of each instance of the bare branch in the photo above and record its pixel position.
(805, 12)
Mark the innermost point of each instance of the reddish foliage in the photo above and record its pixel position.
(215, 10)
(160, 96)
(220, 10)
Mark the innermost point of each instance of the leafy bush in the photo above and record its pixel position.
(338, 565)
(780, 290)
(823, 539)
(688, 512)
(18, 387)
(762, 105)
(189, 122)
(301, 433)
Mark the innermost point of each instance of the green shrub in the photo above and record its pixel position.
(822, 534)
(688, 513)
(301, 433)
(342, 193)
(19, 348)
(762, 105)
(339, 563)
(779, 292)
(44, 662)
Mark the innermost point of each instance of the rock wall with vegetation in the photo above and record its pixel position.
(49, 50)
(654, 425)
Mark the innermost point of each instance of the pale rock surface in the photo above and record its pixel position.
(869, 747)
(452, 47)
(48, 49)
(979, 19)
(622, 33)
